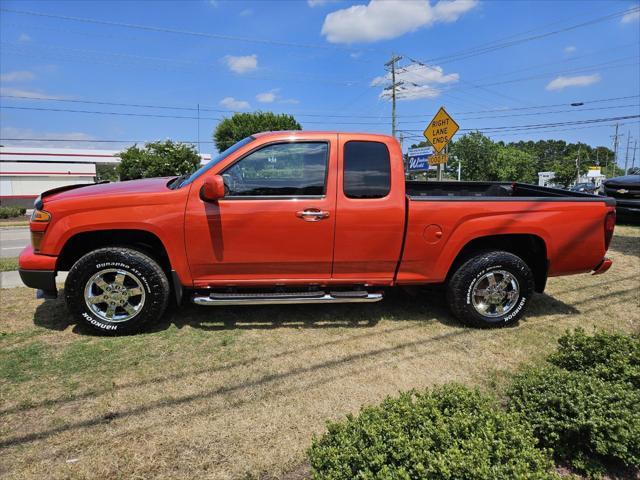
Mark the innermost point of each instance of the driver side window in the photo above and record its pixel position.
(283, 169)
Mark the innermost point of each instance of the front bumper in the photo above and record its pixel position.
(38, 271)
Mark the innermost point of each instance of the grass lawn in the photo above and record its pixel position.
(238, 392)
(8, 264)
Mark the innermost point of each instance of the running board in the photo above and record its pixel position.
(218, 299)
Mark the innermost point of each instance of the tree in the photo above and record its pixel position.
(158, 159)
(106, 171)
(514, 165)
(241, 125)
(477, 155)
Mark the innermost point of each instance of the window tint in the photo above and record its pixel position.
(297, 168)
(367, 170)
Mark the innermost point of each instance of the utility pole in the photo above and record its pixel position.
(633, 161)
(578, 165)
(626, 156)
(615, 147)
(392, 65)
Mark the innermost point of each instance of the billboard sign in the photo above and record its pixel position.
(419, 158)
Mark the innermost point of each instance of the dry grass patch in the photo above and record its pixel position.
(238, 392)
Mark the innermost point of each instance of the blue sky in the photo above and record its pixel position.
(495, 66)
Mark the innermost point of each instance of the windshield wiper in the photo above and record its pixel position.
(177, 182)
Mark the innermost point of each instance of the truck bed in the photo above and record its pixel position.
(494, 191)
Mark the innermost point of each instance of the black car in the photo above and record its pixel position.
(626, 191)
(584, 187)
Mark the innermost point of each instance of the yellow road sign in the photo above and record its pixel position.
(438, 159)
(440, 130)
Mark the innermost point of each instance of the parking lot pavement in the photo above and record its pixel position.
(13, 240)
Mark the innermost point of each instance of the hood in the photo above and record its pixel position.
(627, 180)
(129, 187)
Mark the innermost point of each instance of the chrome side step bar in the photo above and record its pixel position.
(219, 299)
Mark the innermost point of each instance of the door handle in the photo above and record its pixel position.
(312, 214)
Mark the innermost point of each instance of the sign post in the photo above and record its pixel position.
(439, 133)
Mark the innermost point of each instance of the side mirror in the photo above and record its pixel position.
(212, 189)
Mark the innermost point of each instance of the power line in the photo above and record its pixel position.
(328, 115)
(464, 54)
(151, 28)
(543, 125)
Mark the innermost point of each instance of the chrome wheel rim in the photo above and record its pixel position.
(114, 295)
(495, 293)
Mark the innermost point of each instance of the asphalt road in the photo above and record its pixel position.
(13, 240)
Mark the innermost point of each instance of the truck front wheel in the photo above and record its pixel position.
(116, 290)
(491, 289)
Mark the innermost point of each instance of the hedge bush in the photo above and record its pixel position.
(609, 356)
(448, 433)
(585, 405)
(11, 212)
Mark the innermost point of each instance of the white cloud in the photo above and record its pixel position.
(561, 82)
(415, 73)
(386, 19)
(633, 15)
(213, 3)
(67, 137)
(413, 92)
(570, 49)
(20, 92)
(267, 97)
(355, 54)
(24, 38)
(319, 3)
(17, 76)
(241, 64)
(417, 81)
(246, 12)
(233, 104)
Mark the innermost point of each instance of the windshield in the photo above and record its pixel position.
(214, 161)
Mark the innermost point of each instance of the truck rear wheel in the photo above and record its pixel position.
(116, 290)
(491, 289)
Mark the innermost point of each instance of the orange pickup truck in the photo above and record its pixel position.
(307, 217)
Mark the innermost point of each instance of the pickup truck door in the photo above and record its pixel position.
(276, 222)
(371, 209)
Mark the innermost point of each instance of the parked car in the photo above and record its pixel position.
(626, 191)
(306, 218)
(585, 188)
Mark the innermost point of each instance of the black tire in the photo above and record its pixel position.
(477, 269)
(139, 271)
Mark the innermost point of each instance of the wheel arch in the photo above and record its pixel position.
(531, 248)
(142, 240)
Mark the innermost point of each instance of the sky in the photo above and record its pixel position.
(102, 74)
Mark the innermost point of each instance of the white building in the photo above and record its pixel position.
(25, 172)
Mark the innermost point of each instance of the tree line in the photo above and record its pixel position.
(480, 158)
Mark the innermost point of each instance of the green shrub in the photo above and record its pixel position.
(609, 356)
(587, 421)
(11, 212)
(448, 433)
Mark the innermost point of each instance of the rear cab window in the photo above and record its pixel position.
(367, 170)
